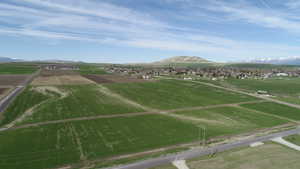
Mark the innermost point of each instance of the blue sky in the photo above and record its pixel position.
(122, 31)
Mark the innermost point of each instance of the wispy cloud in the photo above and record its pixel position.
(103, 22)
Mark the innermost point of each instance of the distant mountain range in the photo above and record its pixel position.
(183, 59)
(7, 59)
(279, 61)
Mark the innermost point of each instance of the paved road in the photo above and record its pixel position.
(7, 100)
(202, 152)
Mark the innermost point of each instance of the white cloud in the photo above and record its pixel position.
(99, 22)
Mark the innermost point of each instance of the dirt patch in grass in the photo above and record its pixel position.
(3, 90)
(50, 90)
(12, 80)
(61, 80)
(113, 79)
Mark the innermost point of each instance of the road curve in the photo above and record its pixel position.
(202, 152)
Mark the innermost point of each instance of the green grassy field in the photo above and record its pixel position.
(276, 109)
(294, 139)
(272, 156)
(285, 89)
(171, 94)
(79, 101)
(230, 120)
(23, 102)
(86, 69)
(17, 68)
(59, 144)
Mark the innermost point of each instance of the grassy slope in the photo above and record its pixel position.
(170, 94)
(231, 120)
(294, 139)
(53, 145)
(82, 101)
(23, 102)
(276, 109)
(17, 68)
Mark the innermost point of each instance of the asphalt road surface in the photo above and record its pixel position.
(202, 152)
(8, 99)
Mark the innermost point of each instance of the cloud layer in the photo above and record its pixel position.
(179, 25)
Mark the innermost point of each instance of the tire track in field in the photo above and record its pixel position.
(128, 115)
(110, 93)
(29, 112)
(269, 114)
(76, 137)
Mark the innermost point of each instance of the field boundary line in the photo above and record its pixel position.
(127, 115)
(272, 115)
(110, 93)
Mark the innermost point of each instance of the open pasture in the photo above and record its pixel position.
(59, 144)
(12, 80)
(77, 101)
(276, 109)
(113, 79)
(17, 68)
(229, 120)
(172, 94)
(61, 80)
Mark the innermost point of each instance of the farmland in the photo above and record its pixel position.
(12, 80)
(230, 120)
(112, 79)
(269, 155)
(69, 102)
(170, 94)
(276, 109)
(23, 102)
(286, 89)
(17, 68)
(96, 119)
(55, 145)
(90, 69)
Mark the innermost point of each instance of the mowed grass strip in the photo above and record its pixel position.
(26, 100)
(17, 68)
(230, 120)
(80, 101)
(294, 139)
(58, 144)
(276, 109)
(171, 94)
